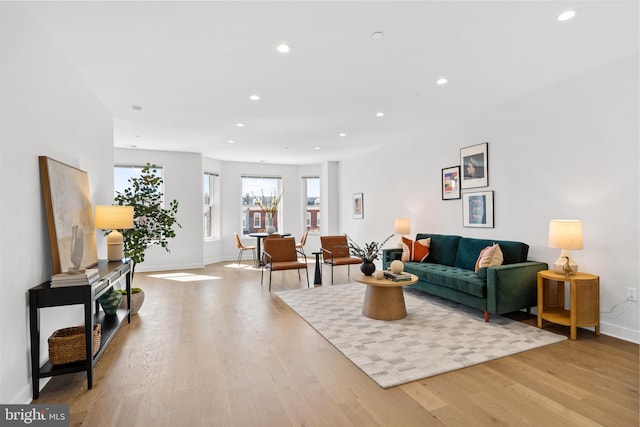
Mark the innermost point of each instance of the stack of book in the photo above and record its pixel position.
(89, 276)
(397, 277)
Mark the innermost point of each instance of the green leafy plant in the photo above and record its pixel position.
(152, 224)
(133, 291)
(370, 251)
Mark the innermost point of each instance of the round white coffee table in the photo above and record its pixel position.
(384, 298)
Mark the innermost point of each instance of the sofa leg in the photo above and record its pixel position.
(486, 316)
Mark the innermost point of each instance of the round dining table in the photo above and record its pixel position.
(259, 237)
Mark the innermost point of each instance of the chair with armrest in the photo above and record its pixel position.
(302, 242)
(335, 252)
(281, 254)
(243, 248)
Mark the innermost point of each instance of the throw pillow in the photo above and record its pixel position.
(491, 256)
(415, 251)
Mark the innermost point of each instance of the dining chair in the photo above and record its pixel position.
(243, 248)
(335, 252)
(280, 254)
(302, 242)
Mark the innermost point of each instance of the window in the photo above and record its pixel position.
(311, 185)
(211, 209)
(253, 188)
(122, 173)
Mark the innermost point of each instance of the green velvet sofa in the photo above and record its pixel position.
(449, 272)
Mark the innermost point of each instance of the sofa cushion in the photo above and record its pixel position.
(443, 248)
(469, 249)
(415, 251)
(491, 256)
(449, 277)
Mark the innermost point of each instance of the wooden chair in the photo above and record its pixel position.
(335, 251)
(243, 248)
(302, 242)
(281, 254)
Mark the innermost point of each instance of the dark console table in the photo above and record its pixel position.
(44, 295)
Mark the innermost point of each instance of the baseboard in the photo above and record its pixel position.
(164, 267)
(615, 331)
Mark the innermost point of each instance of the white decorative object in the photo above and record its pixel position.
(396, 267)
(77, 249)
(378, 274)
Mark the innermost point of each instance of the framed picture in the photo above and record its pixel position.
(451, 183)
(474, 161)
(358, 207)
(67, 203)
(477, 209)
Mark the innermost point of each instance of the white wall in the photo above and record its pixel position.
(45, 109)
(182, 173)
(568, 151)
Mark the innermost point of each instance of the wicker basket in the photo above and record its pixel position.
(68, 345)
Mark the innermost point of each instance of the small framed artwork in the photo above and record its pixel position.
(451, 183)
(474, 161)
(358, 207)
(477, 209)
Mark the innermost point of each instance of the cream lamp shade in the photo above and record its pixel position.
(565, 234)
(402, 227)
(114, 218)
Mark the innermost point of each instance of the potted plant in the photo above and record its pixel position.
(152, 224)
(368, 254)
(137, 298)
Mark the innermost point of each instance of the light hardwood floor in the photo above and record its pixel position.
(225, 352)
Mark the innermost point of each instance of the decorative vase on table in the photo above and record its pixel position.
(367, 268)
(268, 219)
(110, 301)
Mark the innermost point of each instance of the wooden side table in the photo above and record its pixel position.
(384, 299)
(584, 300)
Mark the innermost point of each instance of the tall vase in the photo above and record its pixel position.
(109, 301)
(268, 219)
(367, 268)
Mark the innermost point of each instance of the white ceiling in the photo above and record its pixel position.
(191, 67)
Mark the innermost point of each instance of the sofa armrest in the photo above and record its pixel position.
(389, 255)
(513, 287)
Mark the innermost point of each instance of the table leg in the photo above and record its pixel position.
(259, 250)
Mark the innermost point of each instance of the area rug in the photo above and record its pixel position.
(437, 335)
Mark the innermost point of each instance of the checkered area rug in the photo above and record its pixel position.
(437, 335)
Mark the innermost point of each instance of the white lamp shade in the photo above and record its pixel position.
(114, 217)
(402, 226)
(565, 234)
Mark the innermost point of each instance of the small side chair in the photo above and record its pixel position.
(281, 254)
(243, 248)
(335, 251)
(302, 242)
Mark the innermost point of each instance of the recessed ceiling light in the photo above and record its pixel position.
(316, 148)
(377, 35)
(442, 81)
(566, 15)
(283, 48)
(136, 108)
(240, 125)
(136, 136)
(130, 146)
(254, 97)
(380, 114)
(231, 141)
(342, 134)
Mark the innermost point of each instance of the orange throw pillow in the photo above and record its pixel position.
(415, 251)
(491, 256)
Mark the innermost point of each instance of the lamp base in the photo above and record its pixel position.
(560, 263)
(115, 246)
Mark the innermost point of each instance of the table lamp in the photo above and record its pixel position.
(114, 218)
(402, 227)
(565, 234)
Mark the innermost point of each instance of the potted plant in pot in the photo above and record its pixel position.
(368, 254)
(137, 298)
(152, 224)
